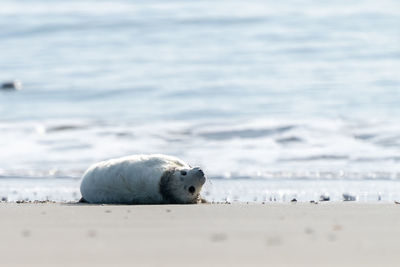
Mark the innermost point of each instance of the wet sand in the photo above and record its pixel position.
(285, 234)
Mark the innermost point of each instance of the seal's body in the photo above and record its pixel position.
(142, 179)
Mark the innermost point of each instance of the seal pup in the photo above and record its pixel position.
(142, 179)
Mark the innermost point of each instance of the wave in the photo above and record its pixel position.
(235, 147)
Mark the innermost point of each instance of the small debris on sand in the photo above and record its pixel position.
(218, 237)
(293, 200)
(324, 198)
(348, 197)
(26, 233)
(274, 241)
(91, 233)
(309, 231)
(337, 227)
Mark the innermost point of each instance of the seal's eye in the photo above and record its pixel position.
(183, 172)
(192, 189)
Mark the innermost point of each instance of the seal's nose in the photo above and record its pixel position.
(201, 172)
(198, 171)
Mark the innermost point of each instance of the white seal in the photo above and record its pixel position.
(142, 179)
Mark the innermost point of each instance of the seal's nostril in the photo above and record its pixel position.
(201, 172)
(192, 189)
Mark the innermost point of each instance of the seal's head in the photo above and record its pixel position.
(182, 185)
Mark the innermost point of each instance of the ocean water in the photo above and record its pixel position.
(274, 100)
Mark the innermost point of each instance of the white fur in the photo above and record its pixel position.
(132, 179)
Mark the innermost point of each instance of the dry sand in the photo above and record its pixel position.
(291, 234)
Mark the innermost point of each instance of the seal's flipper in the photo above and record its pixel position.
(82, 200)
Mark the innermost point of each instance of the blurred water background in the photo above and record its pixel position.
(274, 99)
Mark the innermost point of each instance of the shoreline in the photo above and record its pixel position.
(224, 190)
(271, 234)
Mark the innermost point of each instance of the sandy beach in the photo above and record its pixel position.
(277, 234)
